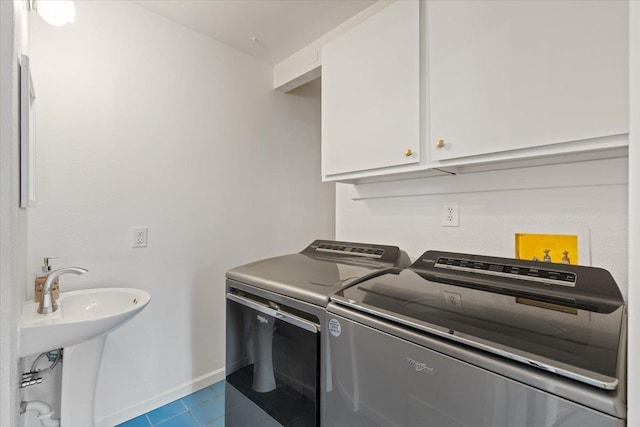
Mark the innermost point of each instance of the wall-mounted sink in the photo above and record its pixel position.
(81, 316)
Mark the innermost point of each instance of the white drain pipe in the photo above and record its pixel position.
(44, 412)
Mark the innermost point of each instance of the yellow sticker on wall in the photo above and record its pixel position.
(559, 248)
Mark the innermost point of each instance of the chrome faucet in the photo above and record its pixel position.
(47, 303)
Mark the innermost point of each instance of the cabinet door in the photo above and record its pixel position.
(371, 93)
(507, 75)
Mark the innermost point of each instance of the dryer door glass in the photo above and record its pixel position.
(272, 361)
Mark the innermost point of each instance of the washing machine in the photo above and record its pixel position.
(470, 340)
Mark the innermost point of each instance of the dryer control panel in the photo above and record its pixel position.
(390, 255)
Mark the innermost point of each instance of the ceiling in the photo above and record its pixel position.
(281, 27)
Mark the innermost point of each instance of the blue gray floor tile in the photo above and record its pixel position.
(202, 408)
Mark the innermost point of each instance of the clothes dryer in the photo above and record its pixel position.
(274, 348)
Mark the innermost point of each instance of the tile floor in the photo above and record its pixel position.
(203, 408)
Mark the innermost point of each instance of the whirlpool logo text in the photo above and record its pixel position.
(419, 366)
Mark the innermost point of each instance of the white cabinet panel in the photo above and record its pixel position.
(371, 93)
(507, 75)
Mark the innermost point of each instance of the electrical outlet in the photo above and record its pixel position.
(140, 237)
(450, 214)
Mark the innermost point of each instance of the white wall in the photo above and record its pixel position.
(634, 212)
(413, 221)
(142, 122)
(13, 220)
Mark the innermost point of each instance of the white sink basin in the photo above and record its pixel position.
(81, 315)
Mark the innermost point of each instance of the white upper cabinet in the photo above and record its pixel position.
(510, 75)
(371, 94)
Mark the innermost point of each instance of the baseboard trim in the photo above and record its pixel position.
(161, 399)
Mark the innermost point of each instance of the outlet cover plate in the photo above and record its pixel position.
(140, 235)
(450, 214)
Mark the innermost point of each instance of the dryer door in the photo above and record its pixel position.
(272, 365)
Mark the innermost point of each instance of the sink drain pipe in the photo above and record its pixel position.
(44, 411)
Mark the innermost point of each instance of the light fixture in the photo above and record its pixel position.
(54, 12)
